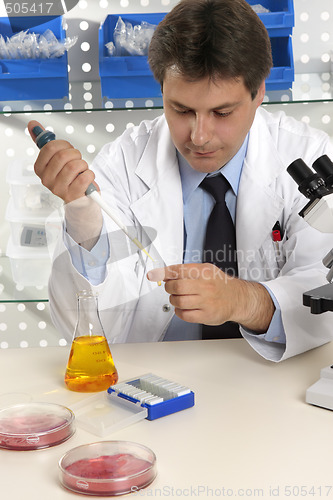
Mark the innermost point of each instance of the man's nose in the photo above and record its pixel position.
(201, 132)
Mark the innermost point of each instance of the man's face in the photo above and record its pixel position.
(208, 120)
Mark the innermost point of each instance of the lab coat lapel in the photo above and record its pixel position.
(161, 207)
(258, 206)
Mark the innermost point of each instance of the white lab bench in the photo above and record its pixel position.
(249, 434)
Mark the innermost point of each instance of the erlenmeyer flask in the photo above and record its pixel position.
(90, 366)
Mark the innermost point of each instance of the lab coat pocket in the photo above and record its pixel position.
(271, 256)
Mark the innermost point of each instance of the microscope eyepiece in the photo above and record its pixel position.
(324, 167)
(310, 183)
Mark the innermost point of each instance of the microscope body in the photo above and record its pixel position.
(318, 212)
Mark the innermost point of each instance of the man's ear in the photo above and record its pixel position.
(261, 93)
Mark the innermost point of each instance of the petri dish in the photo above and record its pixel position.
(108, 468)
(32, 426)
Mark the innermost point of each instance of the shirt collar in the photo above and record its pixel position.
(232, 171)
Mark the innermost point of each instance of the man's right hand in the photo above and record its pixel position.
(61, 168)
(63, 171)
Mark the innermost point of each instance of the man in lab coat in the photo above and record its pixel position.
(211, 58)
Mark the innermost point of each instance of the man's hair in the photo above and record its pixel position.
(218, 39)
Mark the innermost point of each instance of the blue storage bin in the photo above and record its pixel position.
(282, 74)
(33, 79)
(281, 18)
(130, 76)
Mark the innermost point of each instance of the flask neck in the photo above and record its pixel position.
(88, 320)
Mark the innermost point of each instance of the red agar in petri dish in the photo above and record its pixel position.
(33, 426)
(108, 468)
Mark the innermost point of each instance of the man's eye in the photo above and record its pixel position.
(223, 115)
(182, 111)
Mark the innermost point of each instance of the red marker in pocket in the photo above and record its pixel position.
(277, 235)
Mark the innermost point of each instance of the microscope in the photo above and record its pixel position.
(317, 185)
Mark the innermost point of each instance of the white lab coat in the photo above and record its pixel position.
(139, 175)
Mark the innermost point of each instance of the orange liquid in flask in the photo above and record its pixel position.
(90, 366)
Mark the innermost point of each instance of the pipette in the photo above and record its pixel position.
(42, 137)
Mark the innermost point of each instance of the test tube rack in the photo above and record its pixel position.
(160, 396)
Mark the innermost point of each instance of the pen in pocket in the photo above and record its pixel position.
(277, 235)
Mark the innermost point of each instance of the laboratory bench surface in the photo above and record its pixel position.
(250, 433)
